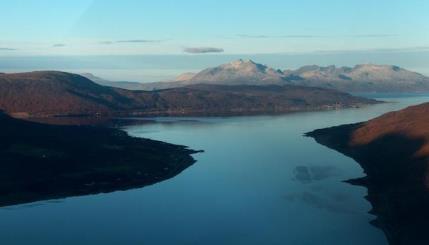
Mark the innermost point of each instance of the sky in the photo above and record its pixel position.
(141, 27)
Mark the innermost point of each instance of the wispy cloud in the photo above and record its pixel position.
(7, 49)
(132, 41)
(377, 50)
(281, 36)
(58, 45)
(316, 36)
(203, 50)
(140, 41)
(373, 35)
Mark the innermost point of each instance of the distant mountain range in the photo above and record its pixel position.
(51, 93)
(116, 84)
(361, 78)
(238, 72)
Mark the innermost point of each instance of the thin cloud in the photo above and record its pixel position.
(377, 50)
(253, 36)
(316, 36)
(139, 41)
(282, 36)
(373, 35)
(58, 45)
(131, 41)
(203, 50)
(7, 49)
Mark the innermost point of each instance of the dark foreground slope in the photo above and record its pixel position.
(39, 162)
(44, 94)
(393, 150)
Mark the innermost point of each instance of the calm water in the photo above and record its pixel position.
(259, 182)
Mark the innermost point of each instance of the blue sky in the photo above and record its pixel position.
(98, 27)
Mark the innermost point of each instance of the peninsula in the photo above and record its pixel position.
(41, 162)
(393, 150)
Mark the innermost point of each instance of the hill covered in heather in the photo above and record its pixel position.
(50, 93)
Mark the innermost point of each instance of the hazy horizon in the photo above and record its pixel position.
(150, 68)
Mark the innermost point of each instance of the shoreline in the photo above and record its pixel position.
(394, 180)
(44, 162)
(103, 119)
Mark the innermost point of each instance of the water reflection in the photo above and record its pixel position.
(309, 174)
(320, 201)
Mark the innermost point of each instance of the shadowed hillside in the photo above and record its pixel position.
(58, 93)
(40, 162)
(393, 150)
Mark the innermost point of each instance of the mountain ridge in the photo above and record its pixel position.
(360, 78)
(117, 84)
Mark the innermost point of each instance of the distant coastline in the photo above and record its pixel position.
(59, 94)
